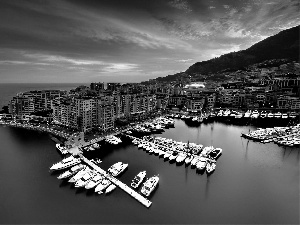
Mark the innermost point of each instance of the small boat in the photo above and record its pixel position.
(138, 179)
(62, 149)
(117, 168)
(150, 185)
(102, 186)
(188, 159)
(71, 171)
(215, 153)
(95, 181)
(79, 174)
(201, 164)
(84, 179)
(110, 188)
(181, 157)
(210, 167)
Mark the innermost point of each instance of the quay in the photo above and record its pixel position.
(118, 183)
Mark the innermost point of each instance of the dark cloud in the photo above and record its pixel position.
(95, 40)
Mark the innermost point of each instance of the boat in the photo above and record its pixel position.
(93, 182)
(215, 153)
(173, 156)
(210, 167)
(188, 159)
(206, 151)
(195, 160)
(110, 188)
(247, 114)
(255, 114)
(102, 186)
(65, 163)
(96, 145)
(270, 115)
(201, 164)
(293, 115)
(263, 115)
(84, 179)
(138, 179)
(150, 185)
(277, 115)
(117, 168)
(71, 171)
(63, 150)
(181, 157)
(167, 155)
(79, 174)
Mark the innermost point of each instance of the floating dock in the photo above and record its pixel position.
(117, 182)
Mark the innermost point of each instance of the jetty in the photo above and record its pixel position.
(144, 201)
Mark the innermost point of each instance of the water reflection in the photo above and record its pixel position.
(207, 187)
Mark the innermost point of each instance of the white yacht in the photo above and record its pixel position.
(150, 185)
(277, 115)
(102, 186)
(71, 171)
(181, 157)
(206, 151)
(62, 149)
(138, 179)
(201, 164)
(195, 160)
(84, 179)
(263, 114)
(110, 188)
(93, 182)
(65, 163)
(270, 115)
(188, 159)
(117, 168)
(210, 167)
(247, 114)
(215, 153)
(255, 114)
(78, 175)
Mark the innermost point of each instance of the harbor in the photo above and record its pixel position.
(286, 136)
(178, 186)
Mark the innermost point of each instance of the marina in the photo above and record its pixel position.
(179, 186)
(287, 136)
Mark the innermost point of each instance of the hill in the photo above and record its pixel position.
(285, 44)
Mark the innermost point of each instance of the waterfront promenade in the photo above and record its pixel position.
(29, 126)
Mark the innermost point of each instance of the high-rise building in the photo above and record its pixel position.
(97, 86)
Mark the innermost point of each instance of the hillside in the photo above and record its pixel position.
(285, 44)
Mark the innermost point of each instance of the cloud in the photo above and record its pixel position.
(14, 62)
(184, 60)
(120, 67)
(82, 38)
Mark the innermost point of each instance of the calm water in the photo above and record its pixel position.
(253, 183)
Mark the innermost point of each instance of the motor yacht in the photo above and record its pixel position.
(149, 185)
(71, 171)
(138, 179)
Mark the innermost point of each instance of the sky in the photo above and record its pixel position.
(83, 41)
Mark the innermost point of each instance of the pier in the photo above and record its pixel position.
(117, 182)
